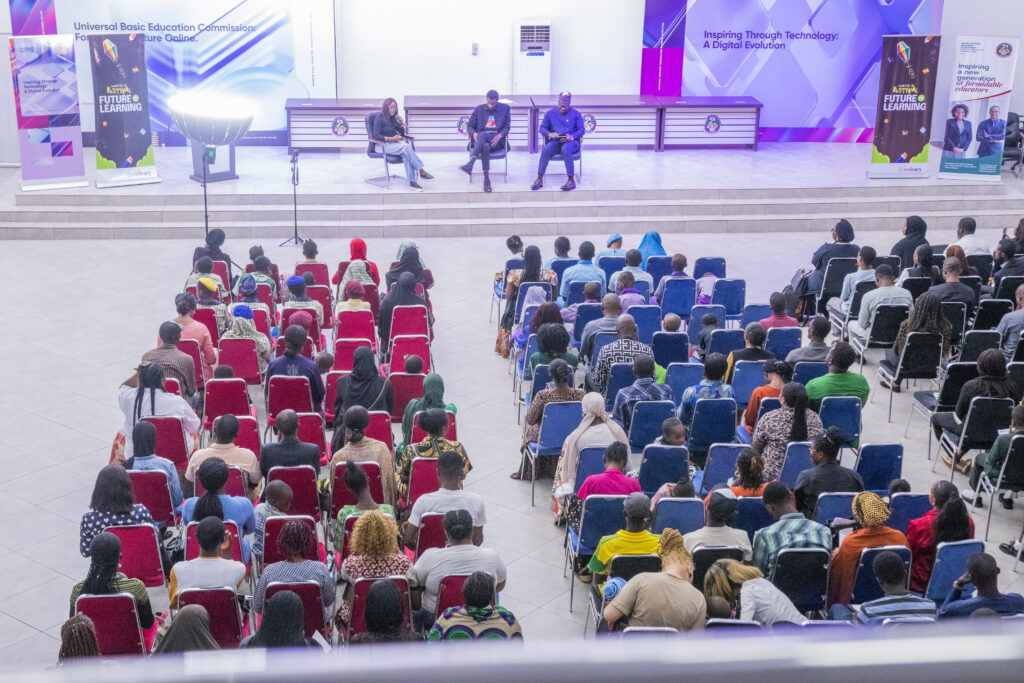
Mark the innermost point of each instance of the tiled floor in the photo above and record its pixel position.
(80, 314)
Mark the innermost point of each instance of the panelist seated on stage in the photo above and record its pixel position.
(390, 135)
(488, 125)
(562, 129)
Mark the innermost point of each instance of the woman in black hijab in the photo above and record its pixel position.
(282, 624)
(408, 263)
(190, 631)
(403, 293)
(914, 229)
(365, 387)
(214, 240)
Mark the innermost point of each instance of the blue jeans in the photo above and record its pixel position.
(409, 157)
(839, 612)
(567, 149)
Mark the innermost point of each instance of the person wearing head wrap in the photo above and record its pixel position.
(841, 246)
(914, 229)
(622, 350)
(562, 129)
(488, 127)
(433, 397)
(356, 272)
(402, 293)
(185, 304)
(243, 327)
(189, 632)
(365, 387)
(246, 294)
(650, 246)
(357, 254)
(298, 299)
(401, 250)
(871, 514)
(206, 297)
(408, 263)
(354, 297)
(212, 248)
(613, 247)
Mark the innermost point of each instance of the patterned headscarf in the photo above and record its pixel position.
(869, 510)
(356, 272)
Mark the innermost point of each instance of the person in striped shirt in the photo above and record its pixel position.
(792, 530)
(897, 601)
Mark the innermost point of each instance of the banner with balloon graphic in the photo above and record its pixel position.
(124, 137)
(906, 91)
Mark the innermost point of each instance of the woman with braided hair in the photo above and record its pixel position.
(213, 475)
(295, 542)
(665, 598)
(104, 579)
(871, 514)
(143, 395)
(78, 639)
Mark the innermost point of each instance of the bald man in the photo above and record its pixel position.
(622, 350)
(289, 451)
(611, 307)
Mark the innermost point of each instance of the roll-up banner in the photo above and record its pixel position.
(972, 143)
(906, 91)
(124, 138)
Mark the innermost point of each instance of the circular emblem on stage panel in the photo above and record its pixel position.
(462, 125)
(339, 126)
(1004, 49)
(589, 123)
(712, 123)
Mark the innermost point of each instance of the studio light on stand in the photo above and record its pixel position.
(294, 239)
(210, 120)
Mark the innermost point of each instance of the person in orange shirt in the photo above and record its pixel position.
(776, 374)
(871, 514)
(749, 478)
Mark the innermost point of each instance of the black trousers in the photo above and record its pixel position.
(948, 421)
(482, 148)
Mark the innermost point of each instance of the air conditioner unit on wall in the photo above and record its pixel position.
(532, 60)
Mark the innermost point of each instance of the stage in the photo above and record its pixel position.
(780, 187)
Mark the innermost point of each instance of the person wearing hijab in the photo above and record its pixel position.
(914, 229)
(409, 263)
(214, 240)
(401, 250)
(189, 632)
(841, 246)
(357, 254)
(433, 397)
(282, 624)
(403, 293)
(356, 272)
(353, 299)
(242, 327)
(650, 246)
(871, 514)
(596, 430)
(365, 387)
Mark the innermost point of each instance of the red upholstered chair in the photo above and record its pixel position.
(356, 325)
(140, 553)
(243, 358)
(312, 605)
(341, 496)
(307, 348)
(409, 320)
(192, 544)
(285, 392)
(336, 279)
(418, 434)
(272, 532)
(431, 533)
(248, 434)
(405, 387)
(226, 624)
(331, 393)
(191, 347)
(151, 488)
(264, 294)
(380, 428)
(449, 593)
(208, 317)
(321, 273)
(220, 268)
(361, 588)
(311, 430)
(422, 478)
(314, 330)
(345, 349)
(322, 294)
(407, 345)
(170, 440)
(234, 487)
(117, 623)
(302, 480)
(372, 296)
(171, 386)
(227, 396)
(262, 322)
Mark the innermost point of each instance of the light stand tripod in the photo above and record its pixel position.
(209, 156)
(294, 239)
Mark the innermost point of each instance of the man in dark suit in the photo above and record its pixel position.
(488, 126)
(289, 451)
(1008, 263)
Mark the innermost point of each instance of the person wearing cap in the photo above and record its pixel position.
(206, 297)
(871, 514)
(488, 126)
(353, 299)
(204, 268)
(635, 539)
(562, 129)
(613, 247)
(243, 327)
(246, 294)
(298, 299)
(791, 529)
(885, 293)
(718, 529)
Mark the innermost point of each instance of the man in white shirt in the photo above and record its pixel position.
(209, 570)
(968, 241)
(634, 261)
(717, 529)
(886, 293)
(449, 497)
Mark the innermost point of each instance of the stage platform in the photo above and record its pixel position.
(781, 187)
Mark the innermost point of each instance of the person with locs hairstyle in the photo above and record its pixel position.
(78, 639)
(794, 421)
(295, 541)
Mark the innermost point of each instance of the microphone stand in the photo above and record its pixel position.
(294, 239)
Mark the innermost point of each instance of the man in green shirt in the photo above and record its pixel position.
(839, 381)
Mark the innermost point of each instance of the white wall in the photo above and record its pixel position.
(423, 47)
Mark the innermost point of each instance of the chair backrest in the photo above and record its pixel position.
(990, 312)
(171, 386)
(645, 425)
(559, 266)
(140, 553)
(890, 260)
(601, 516)
(584, 314)
(320, 271)
(272, 535)
(950, 564)
(422, 478)
(832, 505)
(1016, 373)
(409, 320)
(753, 313)
(621, 375)
(985, 418)
(311, 430)
(302, 480)
(431, 533)
(191, 347)
(983, 262)
(541, 377)
(956, 313)
(859, 290)
(643, 288)
(340, 494)
(709, 264)
(714, 421)
(957, 374)
(836, 271)
(752, 515)
(720, 465)
(904, 507)
(574, 295)
(380, 428)
(670, 347)
(284, 392)
(322, 295)
(747, 375)
(648, 321)
(151, 488)
(601, 340)
(768, 404)
(524, 289)
(591, 462)
(449, 592)
(1008, 287)
(116, 620)
(1012, 476)
(331, 392)
(626, 566)
(730, 293)
(865, 585)
(802, 575)
(309, 593)
(781, 340)
(418, 433)
(280, 347)
(345, 351)
(886, 324)
(314, 328)
(170, 440)
(611, 265)
(409, 345)
(805, 371)
(404, 387)
(679, 297)
(842, 412)
(798, 459)
(681, 376)
(725, 341)
(976, 341)
(355, 325)
(917, 285)
(225, 396)
(242, 356)
(225, 615)
(208, 317)
(662, 465)
(658, 267)
(361, 588)
(265, 295)
(192, 549)
(880, 463)
(682, 514)
(235, 485)
(532, 346)
(698, 312)
(705, 556)
(556, 423)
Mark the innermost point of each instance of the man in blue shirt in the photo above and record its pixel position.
(991, 134)
(983, 572)
(562, 129)
(614, 247)
(294, 364)
(488, 125)
(584, 271)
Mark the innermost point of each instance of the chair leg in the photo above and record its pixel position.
(890, 400)
(533, 479)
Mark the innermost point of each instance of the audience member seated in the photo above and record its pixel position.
(671, 323)
(948, 520)
(865, 272)
(650, 245)
(629, 295)
(206, 297)
(289, 451)
(777, 373)
(552, 342)
(952, 289)
(611, 309)
(408, 261)
(1010, 326)
(839, 381)
(212, 249)
(309, 252)
(364, 387)
(897, 602)
(613, 481)
(673, 432)
(105, 579)
(749, 479)
(144, 459)
(354, 479)
(717, 529)
(213, 568)
(1006, 263)
(708, 325)
(678, 270)
(77, 639)
(176, 364)
(682, 488)
(968, 240)
(361, 448)
(914, 230)
(111, 505)
(449, 496)
(586, 270)
(547, 313)
(991, 463)
(827, 475)
(185, 305)
(294, 540)
(204, 269)
(871, 513)
(662, 599)
(885, 293)
(353, 298)
(385, 613)
(213, 475)
(278, 502)
(983, 572)
(372, 552)
(298, 300)
(477, 618)
(435, 423)
(189, 632)
(815, 350)
(634, 539)
(623, 350)
(642, 389)
(841, 246)
(283, 624)
(294, 364)
(357, 254)
(924, 266)
(613, 247)
(634, 265)
(778, 318)
(402, 293)
(433, 397)
(794, 421)
(562, 246)
(748, 594)
(263, 273)
(460, 556)
(711, 386)
(246, 294)
(591, 295)
(791, 529)
(927, 317)
(243, 327)
(754, 337)
(225, 431)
